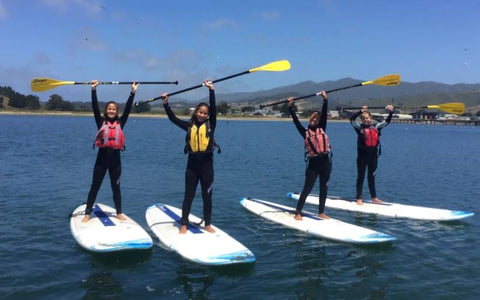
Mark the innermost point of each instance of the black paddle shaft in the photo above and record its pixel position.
(193, 87)
(130, 82)
(312, 95)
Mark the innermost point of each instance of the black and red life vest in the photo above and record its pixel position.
(370, 136)
(110, 135)
(316, 142)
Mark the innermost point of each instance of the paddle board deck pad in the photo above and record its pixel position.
(388, 209)
(197, 244)
(312, 224)
(104, 232)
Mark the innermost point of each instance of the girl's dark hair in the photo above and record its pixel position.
(105, 111)
(194, 114)
(366, 113)
(313, 114)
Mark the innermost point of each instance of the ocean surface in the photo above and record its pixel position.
(46, 167)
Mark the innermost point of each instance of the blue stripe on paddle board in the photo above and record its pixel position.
(102, 216)
(286, 210)
(462, 214)
(176, 218)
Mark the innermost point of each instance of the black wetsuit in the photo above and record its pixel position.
(320, 165)
(107, 159)
(367, 157)
(199, 167)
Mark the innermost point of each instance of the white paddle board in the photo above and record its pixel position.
(197, 244)
(312, 224)
(104, 232)
(388, 209)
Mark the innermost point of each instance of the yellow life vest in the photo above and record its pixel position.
(199, 138)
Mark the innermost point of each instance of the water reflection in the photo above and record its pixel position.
(195, 280)
(102, 285)
(107, 283)
(121, 259)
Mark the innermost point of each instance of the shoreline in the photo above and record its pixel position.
(147, 115)
(237, 118)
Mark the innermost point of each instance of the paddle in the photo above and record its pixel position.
(45, 84)
(387, 80)
(276, 66)
(451, 107)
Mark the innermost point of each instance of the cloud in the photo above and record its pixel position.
(3, 12)
(138, 57)
(59, 5)
(18, 78)
(91, 7)
(270, 15)
(220, 24)
(87, 38)
(41, 59)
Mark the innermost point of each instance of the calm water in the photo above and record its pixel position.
(46, 167)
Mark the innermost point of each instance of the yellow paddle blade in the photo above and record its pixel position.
(276, 66)
(387, 80)
(45, 84)
(452, 107)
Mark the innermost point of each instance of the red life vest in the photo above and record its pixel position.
(316, 142)
(370, 136)
(110, 135)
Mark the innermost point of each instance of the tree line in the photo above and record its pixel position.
(11, 98)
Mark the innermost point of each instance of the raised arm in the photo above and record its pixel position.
(297, 123)
(387, 121)
(213, 105)
(95, 108)
(353, 118)
(323, 117)
(171, 116)
(128, 105)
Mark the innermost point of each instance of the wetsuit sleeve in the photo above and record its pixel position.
(356, 126)
(126, 111)
(171, 116)
(213, 110)
(96, 109)
(389, 118)
(384, 123)
(297, 123)
(323, 116)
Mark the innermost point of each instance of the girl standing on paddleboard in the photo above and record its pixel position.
(199, 146)
(110, 141)
(319, 159)
(368, 149)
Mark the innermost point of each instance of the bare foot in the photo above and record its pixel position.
(376, 200)
(359, 202)
(183, 229)
(209, 229)
(298, 217)
(121, 217)
(86, 218)
(323, 216)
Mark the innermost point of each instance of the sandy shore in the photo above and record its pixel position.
(147, 115)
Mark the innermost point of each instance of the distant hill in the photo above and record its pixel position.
(406, 93)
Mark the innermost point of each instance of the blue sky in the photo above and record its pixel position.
(189, 41)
